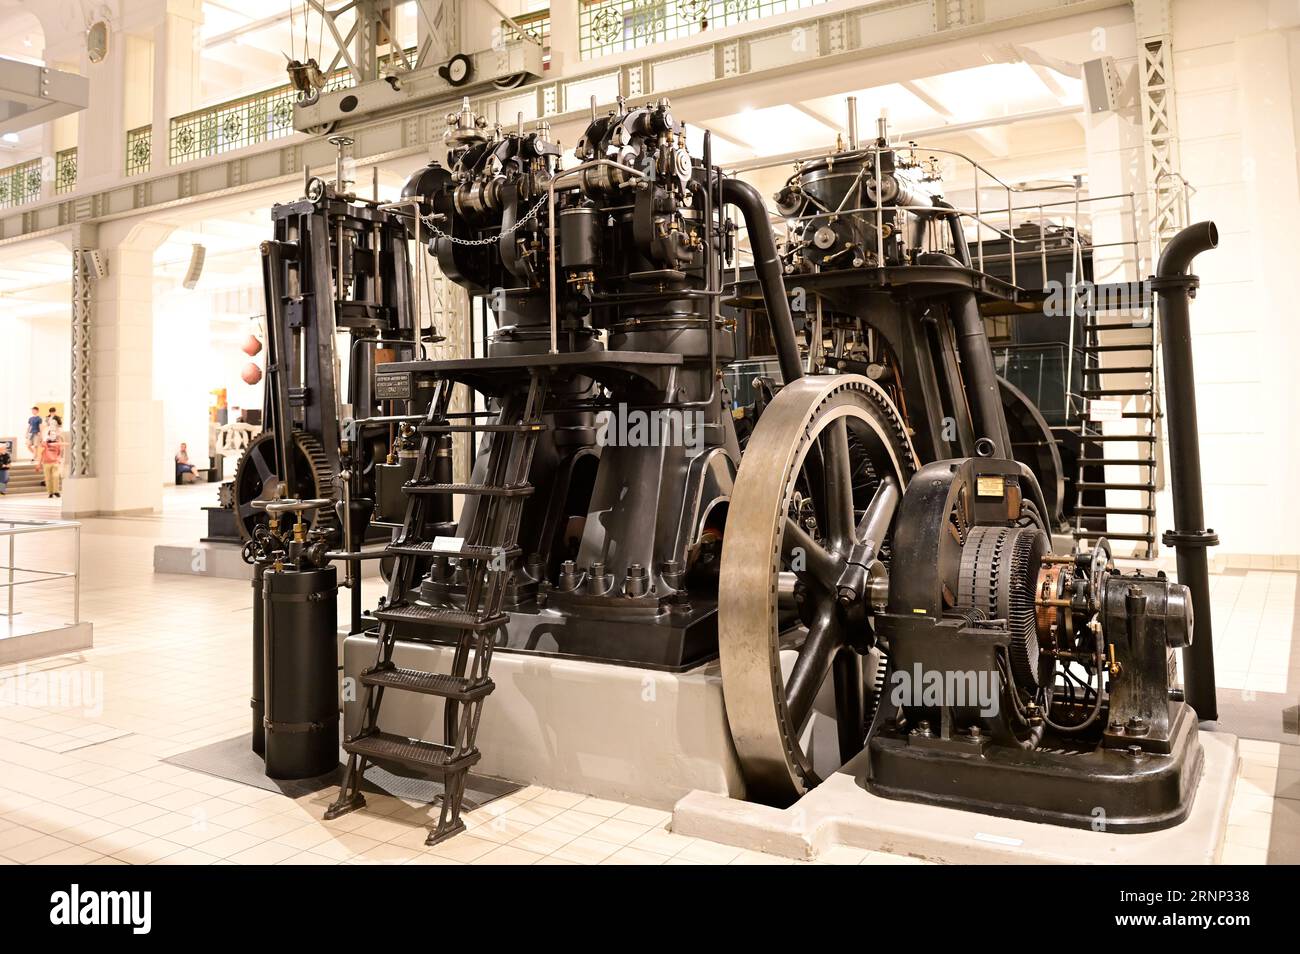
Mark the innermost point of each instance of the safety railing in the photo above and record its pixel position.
(20, 184)
(65, 170)
(139, 150)
(613, 26)
(15, 576)
(248, 120)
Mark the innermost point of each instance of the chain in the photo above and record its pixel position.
(491, 239)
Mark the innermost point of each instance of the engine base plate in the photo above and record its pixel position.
(1103, 790)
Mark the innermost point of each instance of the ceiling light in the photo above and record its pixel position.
(10, 137)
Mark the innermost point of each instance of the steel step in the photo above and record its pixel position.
(427, 548)
(1117, 461)
(438, 684)
(1124, 370)
(1112, 392)
(1120, 511)
(1094, 534)
(1132, 438)
(1098, 349)
(484, 490)
(1118, 326)
(1106, 485)
(440, 616)
(413, 752)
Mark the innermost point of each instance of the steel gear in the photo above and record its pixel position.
(255, 479)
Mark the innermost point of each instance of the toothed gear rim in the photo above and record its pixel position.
(255, 480)
(999, 569)
(750, 627)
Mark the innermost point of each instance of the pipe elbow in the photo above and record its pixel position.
(1185, 246)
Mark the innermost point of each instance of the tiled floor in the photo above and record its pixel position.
(82, 737)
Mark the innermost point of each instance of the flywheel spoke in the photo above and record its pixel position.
(807, 557)
(811, 667)
(879, 513)
(837, 474)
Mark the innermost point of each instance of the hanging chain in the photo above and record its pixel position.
(519, 223)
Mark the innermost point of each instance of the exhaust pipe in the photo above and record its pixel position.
(767, 267)
(1174, 287)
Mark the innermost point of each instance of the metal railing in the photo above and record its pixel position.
(535, 26)
(246, 121)
(139, 149)
(65, 170)
(20, 184)
(613, 26)
(11, 529)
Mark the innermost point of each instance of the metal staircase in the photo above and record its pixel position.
(1117, 474)
(481, 568)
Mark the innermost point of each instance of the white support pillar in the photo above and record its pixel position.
(176, 55)
(118, 431)
(565, 55)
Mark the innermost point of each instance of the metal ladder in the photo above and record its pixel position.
(1136, 340)
(484, 558)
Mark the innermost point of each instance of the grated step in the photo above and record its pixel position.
(441, 616)
(1117, 462)
(439, 684)
(1118, 326)
(1138, 369)
(1113, 392)
(1098, 349)
(413, 752)
(1132, 438)
(1094, 534)
(1105, 485)
(484, 490)
(1125, 511)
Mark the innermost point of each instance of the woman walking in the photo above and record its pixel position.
(52, 463)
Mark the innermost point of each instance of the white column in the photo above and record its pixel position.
(125, 420)
(564, 38)
(176, 55)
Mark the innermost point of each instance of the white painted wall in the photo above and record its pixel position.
(1237, 72)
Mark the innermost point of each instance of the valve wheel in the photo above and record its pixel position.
(824, 470)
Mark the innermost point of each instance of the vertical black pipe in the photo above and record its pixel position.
(767, 267)
(1189, 537)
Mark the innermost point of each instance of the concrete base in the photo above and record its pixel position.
(635, 735)
(24, 647)
(220, 560)
(838, 812)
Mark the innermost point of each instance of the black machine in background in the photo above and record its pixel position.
(868, 514)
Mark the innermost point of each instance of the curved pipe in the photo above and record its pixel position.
(1185, 246)
(768, 269)
(1190, 538)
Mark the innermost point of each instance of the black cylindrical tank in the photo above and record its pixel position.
(257, 700)
(300, 626)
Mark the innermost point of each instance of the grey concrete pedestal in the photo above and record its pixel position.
(839, 812)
